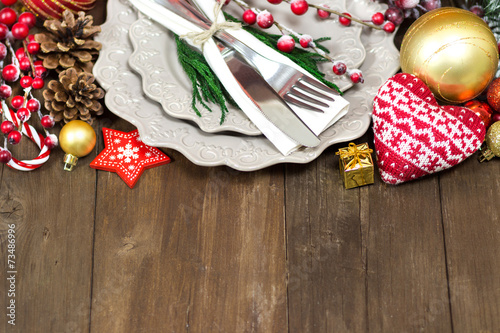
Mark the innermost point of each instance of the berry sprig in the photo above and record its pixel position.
(29, 73)
(286, 43)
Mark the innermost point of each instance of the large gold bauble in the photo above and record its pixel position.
(453, 51)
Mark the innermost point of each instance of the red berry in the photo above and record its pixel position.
(356, 76)
(434, 4)
(51, 141)
(265, 19)
(5, 91)
(3, 51)
(14, 137)
(4, 30)
(339, 68)
(7, 126)
(10, 73)
(299, 7)
(407, 4)
(38, 63)
(305, 40)
(344, 20)
(33, 105)
(378, 18)
(5, 156)
(8, 2)
(27, 18)
(395, 15)
(226, 2)
(389, 27)
(40, 71)
(323, 13)
(25, 64)
(26, 81)
(23, 114)
(20, 53)
(249, 17)
(20, 31)
(17, 101)
(31, 38)
(286, 43)
(33, 47)
(37, 83)
(274, 2)
(8, 16)
(47, 121)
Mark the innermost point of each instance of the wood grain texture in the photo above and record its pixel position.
(470, 197)
(190, 249)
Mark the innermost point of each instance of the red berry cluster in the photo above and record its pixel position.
(14, 30)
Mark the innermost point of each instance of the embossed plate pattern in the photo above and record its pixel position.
(126, 99)
(163, 80)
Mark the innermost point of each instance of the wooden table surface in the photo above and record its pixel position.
(284, 249)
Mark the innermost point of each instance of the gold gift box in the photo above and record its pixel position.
(356, 165)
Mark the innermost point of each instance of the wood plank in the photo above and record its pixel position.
(53, 213)
(364, 259)
(470, 196)
(190, 249)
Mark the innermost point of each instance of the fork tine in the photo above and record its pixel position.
(307, 97)
(311, 91)
(319, 85)
(289, 98)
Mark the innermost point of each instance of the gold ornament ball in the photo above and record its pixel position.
(453, 51)
(77, 138)
(493, 138)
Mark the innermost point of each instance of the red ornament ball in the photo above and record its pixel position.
(37, 83)
(47, 121)
(286, 43)
(495, 117)
(10, 73)
(23, 114)
(8, 16)
(7, 126)
(344, 20)
(20, 31)
(51, 141)
(265, 19)
(26, 81)
(5, 156)
(27, 18)
(17, 101)
(305, 41)
(482, 110)
(33, 105)
(3, 51)
(323, 13)
(14, 137)
(493, 95)
(5, 91)
(339, 68)
(299, 7)
(4, 30)
(249, 17)
(378, 18)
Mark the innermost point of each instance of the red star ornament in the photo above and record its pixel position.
(125, 154)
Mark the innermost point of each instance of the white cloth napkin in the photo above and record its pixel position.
(317, 122)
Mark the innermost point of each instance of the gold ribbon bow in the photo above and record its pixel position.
(355, 153)
(200, 38)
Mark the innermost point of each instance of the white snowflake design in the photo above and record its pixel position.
(127, 152)
(117, 141)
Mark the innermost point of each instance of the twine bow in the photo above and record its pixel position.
(355, 153)
(200, 38)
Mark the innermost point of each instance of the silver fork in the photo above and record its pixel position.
(292, 85)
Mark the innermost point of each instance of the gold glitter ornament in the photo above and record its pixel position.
(453, 51)
(492, 142)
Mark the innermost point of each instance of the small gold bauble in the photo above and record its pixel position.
(77, 139)
(453, 51)
(493, 138)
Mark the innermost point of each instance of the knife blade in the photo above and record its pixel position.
(265, 98)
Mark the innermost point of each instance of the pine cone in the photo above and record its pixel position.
(74, 96)
(68, 43)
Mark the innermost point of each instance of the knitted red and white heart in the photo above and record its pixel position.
(414, 136)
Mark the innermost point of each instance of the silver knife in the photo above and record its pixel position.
(253, 84)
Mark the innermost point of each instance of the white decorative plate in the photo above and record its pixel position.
(163, 80)
(126, 99)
